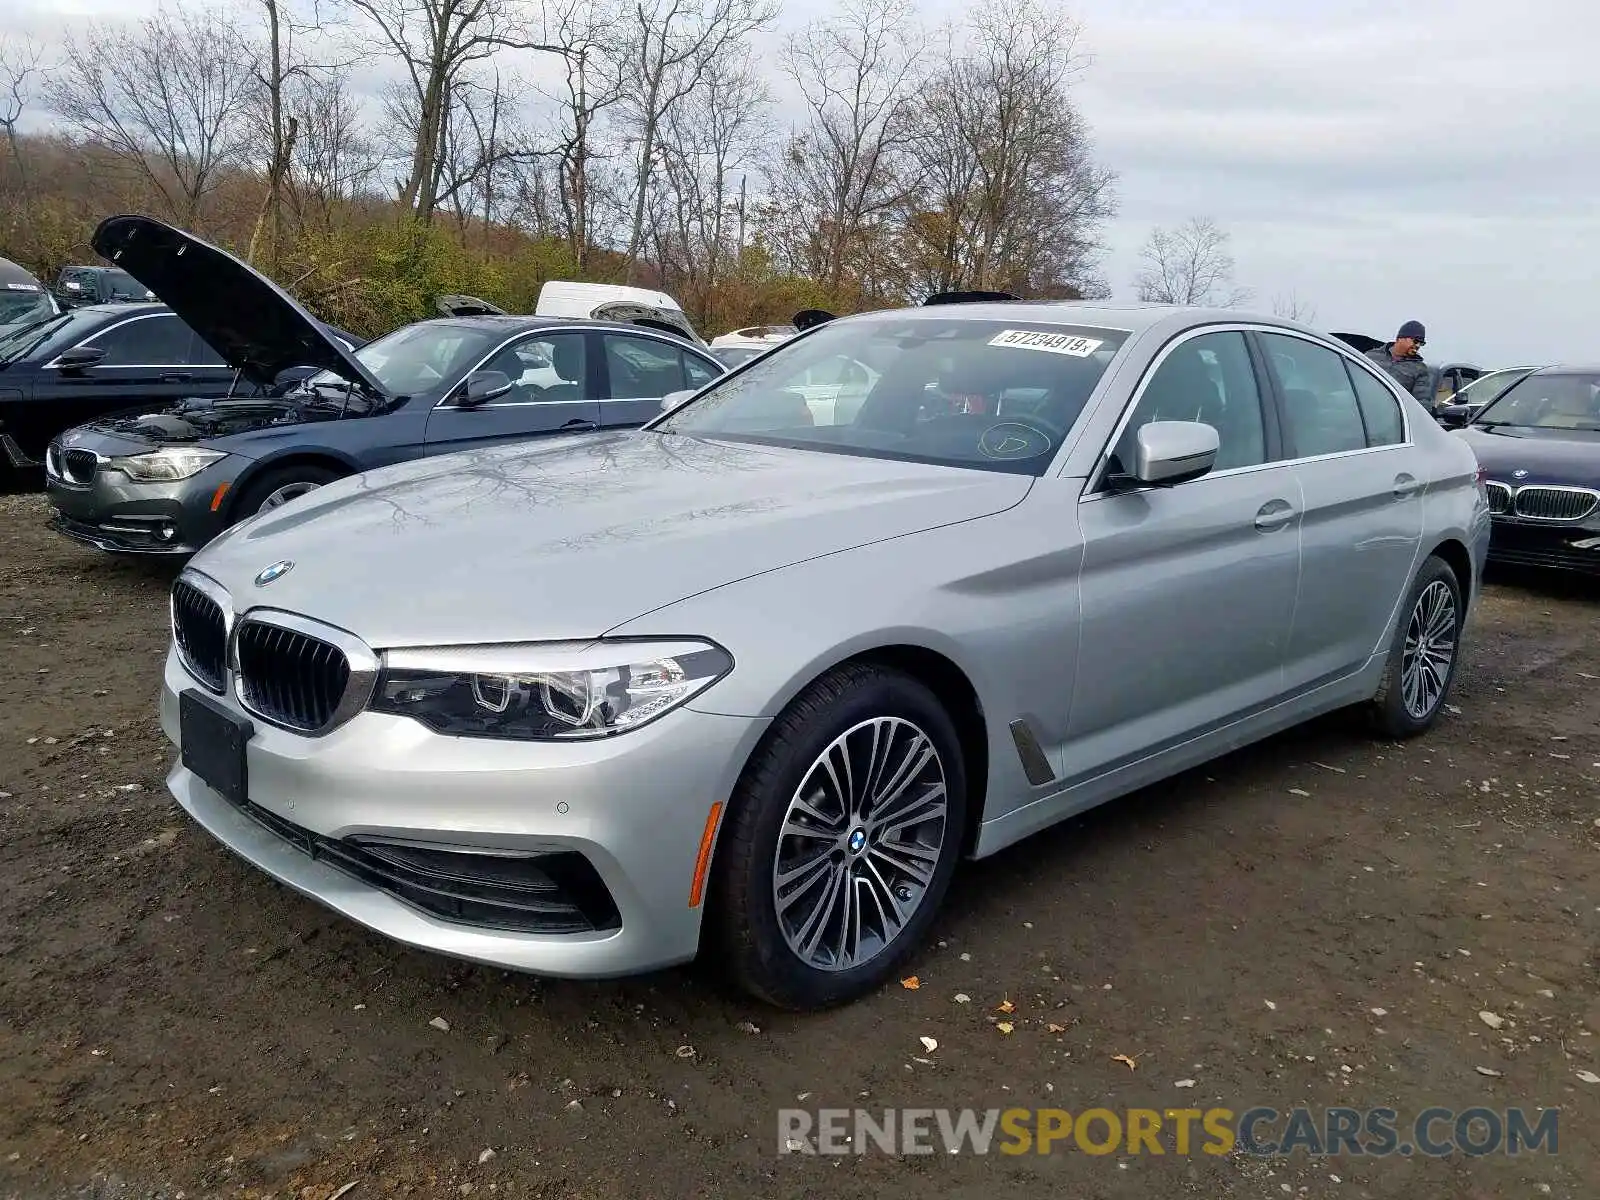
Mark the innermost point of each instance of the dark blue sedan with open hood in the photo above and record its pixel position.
(1538, 444)
(167, 481)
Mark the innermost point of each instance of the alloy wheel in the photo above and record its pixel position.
(1430, 650)
(860, 843)
(278, 497)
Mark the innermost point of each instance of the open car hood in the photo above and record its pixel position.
(1359, 341)
(257, 327)
(630, 312)
(467, 306)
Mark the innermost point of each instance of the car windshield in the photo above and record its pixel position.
(48, 337)
(984, 394)
(1547, 400)
(22, 305)
(422, 358)
(1486, 387)
(122, 286)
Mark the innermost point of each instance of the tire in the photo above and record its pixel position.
(840, 713)
(1433, 607)
(280, 486)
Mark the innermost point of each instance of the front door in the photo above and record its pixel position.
(552, 391)
(1187, 592)
(1363, 494)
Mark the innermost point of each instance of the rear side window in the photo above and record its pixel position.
(1321, 413)
(1380, 412)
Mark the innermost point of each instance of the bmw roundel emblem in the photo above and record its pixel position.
(1519, 473)
(276, 571)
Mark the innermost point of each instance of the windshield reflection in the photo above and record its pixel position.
(985, 394)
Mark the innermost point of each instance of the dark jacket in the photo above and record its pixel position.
(1410, 372)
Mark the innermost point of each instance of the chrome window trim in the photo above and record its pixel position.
(218, 594)
(363, 663)
(1102, 462)
(112, 328)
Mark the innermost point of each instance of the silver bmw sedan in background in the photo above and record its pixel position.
(750, 681)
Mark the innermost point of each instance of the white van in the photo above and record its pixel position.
(615, 302)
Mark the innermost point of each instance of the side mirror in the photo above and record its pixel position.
(482, 386)
(1453, 416)
(80, 357)
(1171, 452)
(672, 399)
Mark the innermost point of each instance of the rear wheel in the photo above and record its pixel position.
(842, 838)
(277, 488)
(1423, 660)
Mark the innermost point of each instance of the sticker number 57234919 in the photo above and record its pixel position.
(1054, 343)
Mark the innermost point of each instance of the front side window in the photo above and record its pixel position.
(543, 368)
(148, 342)
(1321, 413)
(1207, 379)
(1547, 400)
(982, 394)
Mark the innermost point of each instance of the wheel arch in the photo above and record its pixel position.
(329, 459)
(1459, 559)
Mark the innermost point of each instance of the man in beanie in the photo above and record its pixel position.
(1401, 360)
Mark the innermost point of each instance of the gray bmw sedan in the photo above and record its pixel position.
(750, 681)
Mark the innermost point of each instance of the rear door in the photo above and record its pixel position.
(639, 369)
(1362, 483)
(554, 390)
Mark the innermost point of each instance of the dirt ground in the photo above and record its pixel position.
(1316, 921)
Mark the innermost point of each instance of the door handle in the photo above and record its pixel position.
(580, 423)
(176, 377)
(1274, 514)
(1406, 485)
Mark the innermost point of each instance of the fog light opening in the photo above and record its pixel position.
(166, 531)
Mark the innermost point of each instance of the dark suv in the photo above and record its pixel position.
(77, 286)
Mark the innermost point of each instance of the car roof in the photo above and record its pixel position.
(516, 323)
(1132, 318)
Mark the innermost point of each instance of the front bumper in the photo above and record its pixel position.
(1563, 547)
(120, 515)
(634, 808)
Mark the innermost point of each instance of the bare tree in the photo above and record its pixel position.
(1011, 195)
(1292, 308)
(19, 63)
(845, 169)
(439, 42)
(333, 159)
(170, 96)
(716, 132)
(585, 36)
(1189, 265)
(670, 45)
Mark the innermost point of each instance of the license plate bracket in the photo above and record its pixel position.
(213, 740)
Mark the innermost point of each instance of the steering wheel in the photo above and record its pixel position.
(995, 443)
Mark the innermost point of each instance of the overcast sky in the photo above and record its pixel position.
(1435, 159)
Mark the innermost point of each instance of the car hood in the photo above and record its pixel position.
(255, 326)
(569, 540)
(1555, 456)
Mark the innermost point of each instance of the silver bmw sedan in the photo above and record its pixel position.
(749, 682)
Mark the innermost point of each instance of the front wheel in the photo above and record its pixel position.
(277, 488)
(1423, 660)
(842, 838)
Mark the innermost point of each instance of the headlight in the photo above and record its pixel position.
(552, 692)
(167, 464)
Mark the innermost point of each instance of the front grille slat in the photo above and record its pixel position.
(200, 630)
(1555, 503)
(1499, 497)
(289, 678)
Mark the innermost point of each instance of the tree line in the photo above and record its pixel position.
(869, 159)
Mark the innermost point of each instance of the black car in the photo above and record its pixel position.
(169, 479)
(1538, 444)
(78, 285)
(23, 299)
(100, 359)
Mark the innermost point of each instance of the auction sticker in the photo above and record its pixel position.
(1054, 343)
